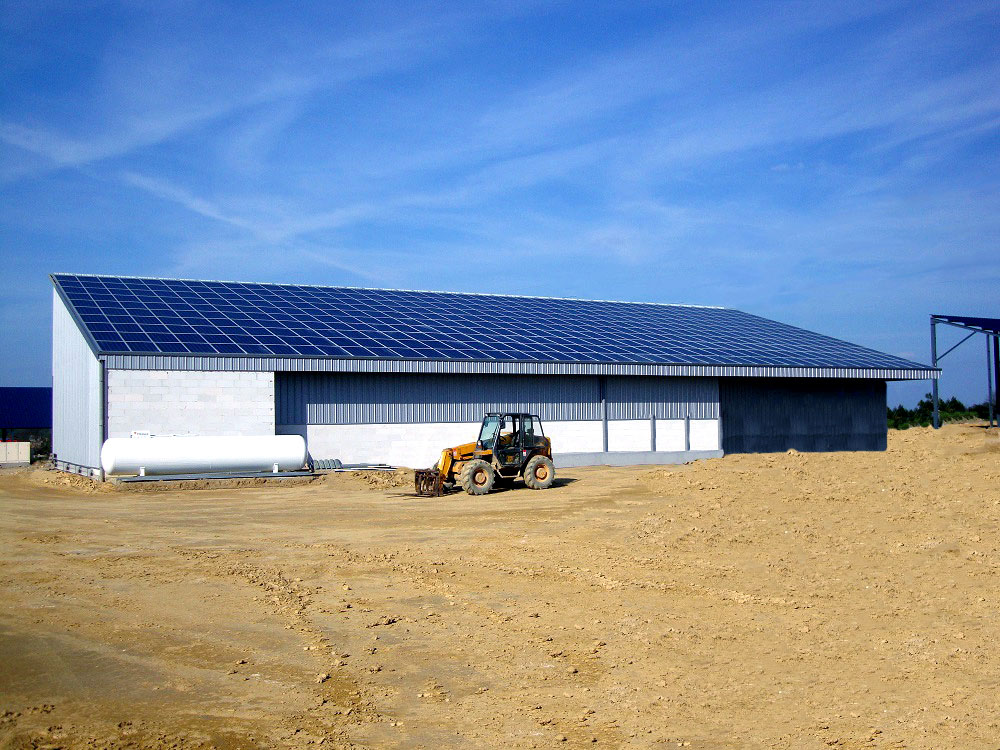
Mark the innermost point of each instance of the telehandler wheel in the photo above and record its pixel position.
(477, 477)
(539, 473)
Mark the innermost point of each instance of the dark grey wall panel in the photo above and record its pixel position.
(773, 415)
(387, 398)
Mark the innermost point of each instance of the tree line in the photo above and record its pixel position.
(951, 410)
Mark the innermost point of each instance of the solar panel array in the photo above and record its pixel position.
(126, 315)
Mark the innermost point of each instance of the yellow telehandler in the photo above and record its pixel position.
(510, 445)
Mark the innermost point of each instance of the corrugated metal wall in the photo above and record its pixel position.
(663, 398)
(355, 398)
(767, 416)
(77, 392)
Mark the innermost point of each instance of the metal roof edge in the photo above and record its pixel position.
(305, 364)
(71, 309)
(387, 289)
(961, 321)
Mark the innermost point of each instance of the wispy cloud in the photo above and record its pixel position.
(129, 126)
(736, 155)
(243, 259)
(174, 194)
(66, 151)
(276, 229)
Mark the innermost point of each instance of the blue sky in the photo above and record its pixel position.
(830, 165)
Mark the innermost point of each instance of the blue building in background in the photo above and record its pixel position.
(25, 408)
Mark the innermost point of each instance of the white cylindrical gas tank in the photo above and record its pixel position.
(202, 454)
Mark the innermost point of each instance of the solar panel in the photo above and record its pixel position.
(127, 315)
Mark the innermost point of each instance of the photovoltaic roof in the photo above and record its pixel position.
(125, 315)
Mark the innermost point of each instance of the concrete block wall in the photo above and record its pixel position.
(575, 437)
(630, 442)
(415, 445)
(670, 435)
(705, 435)
(172, 402)
(635, 435)
(419, 445)
(629, 435)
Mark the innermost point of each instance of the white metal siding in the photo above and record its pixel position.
(76, 392)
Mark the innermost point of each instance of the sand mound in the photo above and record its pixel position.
(49, 478)
(374, 480)
(840, 600)
(55, 479)
(384, 479)
(991, 442)
(169, 485)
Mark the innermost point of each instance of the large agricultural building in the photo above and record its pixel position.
(392, 376)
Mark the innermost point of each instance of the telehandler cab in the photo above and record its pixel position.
(510, 445)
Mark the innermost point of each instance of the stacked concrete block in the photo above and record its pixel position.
(702, 435)
(629, 435)
(418, 445)
(414, 445)
(575, 436)
(705, 435)
(172, 402)
(636, 435)
(670, 435)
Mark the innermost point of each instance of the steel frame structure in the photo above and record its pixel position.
(989, 327)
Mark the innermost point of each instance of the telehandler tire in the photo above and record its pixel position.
(477, 477)
(539, 473)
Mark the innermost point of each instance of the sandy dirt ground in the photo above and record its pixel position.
(761, 601)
